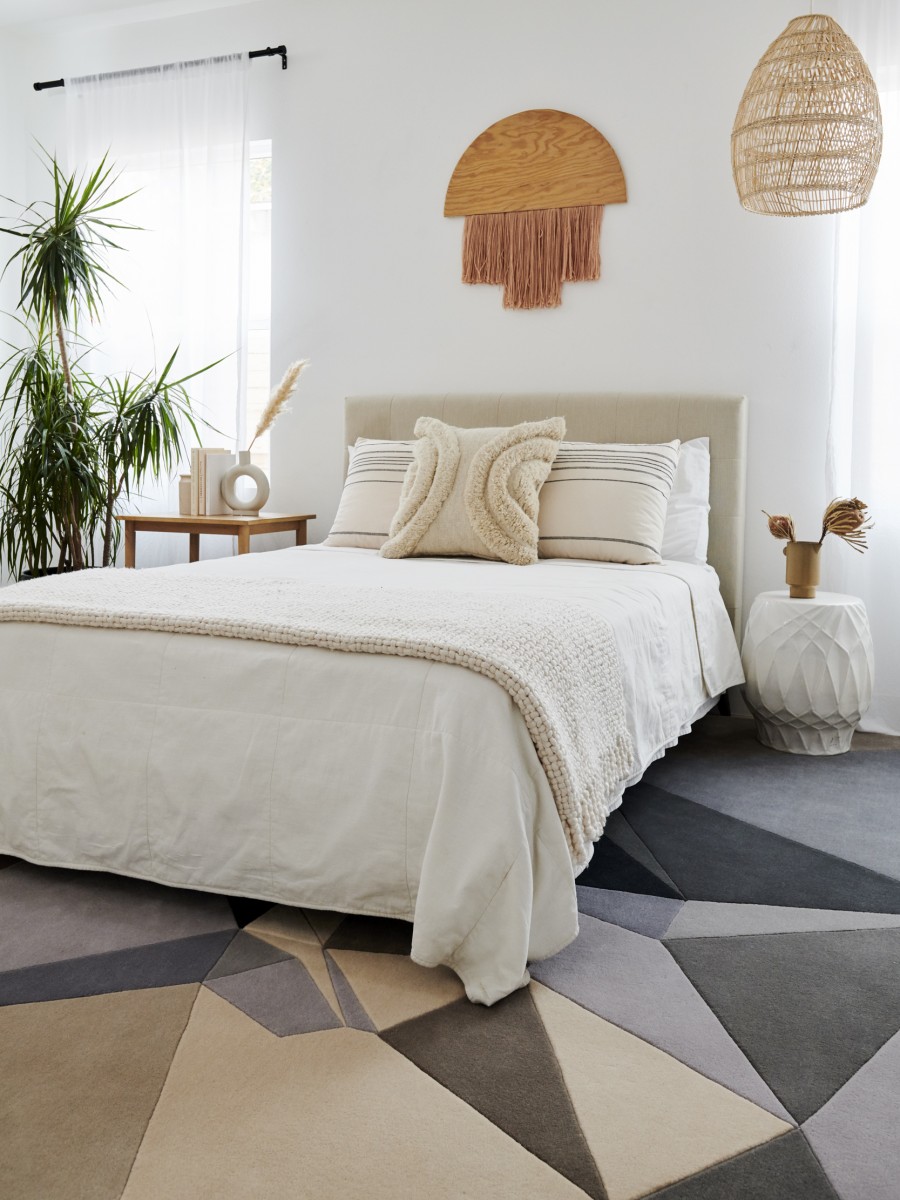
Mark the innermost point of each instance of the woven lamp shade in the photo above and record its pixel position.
(807, 135)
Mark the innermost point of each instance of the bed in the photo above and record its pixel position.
(363, 782)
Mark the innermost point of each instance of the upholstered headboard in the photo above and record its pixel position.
(603, 417)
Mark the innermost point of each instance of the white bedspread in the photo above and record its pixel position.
(362, 783)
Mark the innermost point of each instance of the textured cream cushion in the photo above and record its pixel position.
(474, 492)
(371, 493)
(607, 501)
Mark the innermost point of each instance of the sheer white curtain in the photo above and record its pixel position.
(864, 426)
(178, 134)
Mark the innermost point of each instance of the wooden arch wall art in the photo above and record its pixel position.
(532, 189)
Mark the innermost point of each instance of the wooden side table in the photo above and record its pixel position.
(242, 528)
(809, 668)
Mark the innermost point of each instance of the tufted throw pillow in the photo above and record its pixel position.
(474, 492)
(607, 501)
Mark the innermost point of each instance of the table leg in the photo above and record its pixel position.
(301, 534)
(195, 547)
(244, 539)
(130, 537)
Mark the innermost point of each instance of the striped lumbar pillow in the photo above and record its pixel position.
(371, 493)
(607, 502)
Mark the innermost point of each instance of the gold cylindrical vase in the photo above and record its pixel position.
(802, 571)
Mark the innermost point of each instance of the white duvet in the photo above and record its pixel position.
(355, 782)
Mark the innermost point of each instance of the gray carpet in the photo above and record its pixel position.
(725, 1027)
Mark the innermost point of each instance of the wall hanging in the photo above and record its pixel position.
(532, 189)
(807, 135)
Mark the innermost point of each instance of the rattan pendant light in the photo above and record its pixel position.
(807, 135)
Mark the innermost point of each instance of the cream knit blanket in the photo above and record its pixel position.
(557, 660)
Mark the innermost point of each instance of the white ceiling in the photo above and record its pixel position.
(100, 12)
(14, 12)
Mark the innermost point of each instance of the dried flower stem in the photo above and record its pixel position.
(781, 527)
(848, 520)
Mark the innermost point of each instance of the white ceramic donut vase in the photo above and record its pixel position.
(245, 506)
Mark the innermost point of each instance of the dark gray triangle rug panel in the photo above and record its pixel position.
(487, 1055)
(621, 862)
(783, 1169)
(711, 856)
(809, 1009)
(245, 953)
(725, 1027)
(619, 832)
(843, 804)
(162, 964)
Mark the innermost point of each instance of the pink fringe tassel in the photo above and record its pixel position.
(532, 254)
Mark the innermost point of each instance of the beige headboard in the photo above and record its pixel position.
(603, 417)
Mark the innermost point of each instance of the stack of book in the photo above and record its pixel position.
(208, 465)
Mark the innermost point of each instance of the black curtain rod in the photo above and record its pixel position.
(269, 52)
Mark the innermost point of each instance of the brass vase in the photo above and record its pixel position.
(802, 569)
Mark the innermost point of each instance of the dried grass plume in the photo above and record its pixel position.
(279, 398)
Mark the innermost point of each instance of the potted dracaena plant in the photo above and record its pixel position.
(73, 443)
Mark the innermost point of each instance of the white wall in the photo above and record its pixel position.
(367, 124)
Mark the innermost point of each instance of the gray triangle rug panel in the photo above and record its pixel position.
(727, 1023)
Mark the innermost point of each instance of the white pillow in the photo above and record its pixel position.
(607, 501)
(686, 534)
(371, 493)
(377, 468)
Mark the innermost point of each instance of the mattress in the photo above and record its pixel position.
(354, 782)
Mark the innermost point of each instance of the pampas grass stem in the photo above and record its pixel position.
(279, 398)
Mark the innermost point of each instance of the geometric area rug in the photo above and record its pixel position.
(726, 1026)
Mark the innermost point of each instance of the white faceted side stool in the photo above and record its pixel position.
(809, 667)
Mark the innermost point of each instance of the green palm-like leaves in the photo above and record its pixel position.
(49, 489)
(142, 434)
(65, 244)
(72, 444)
